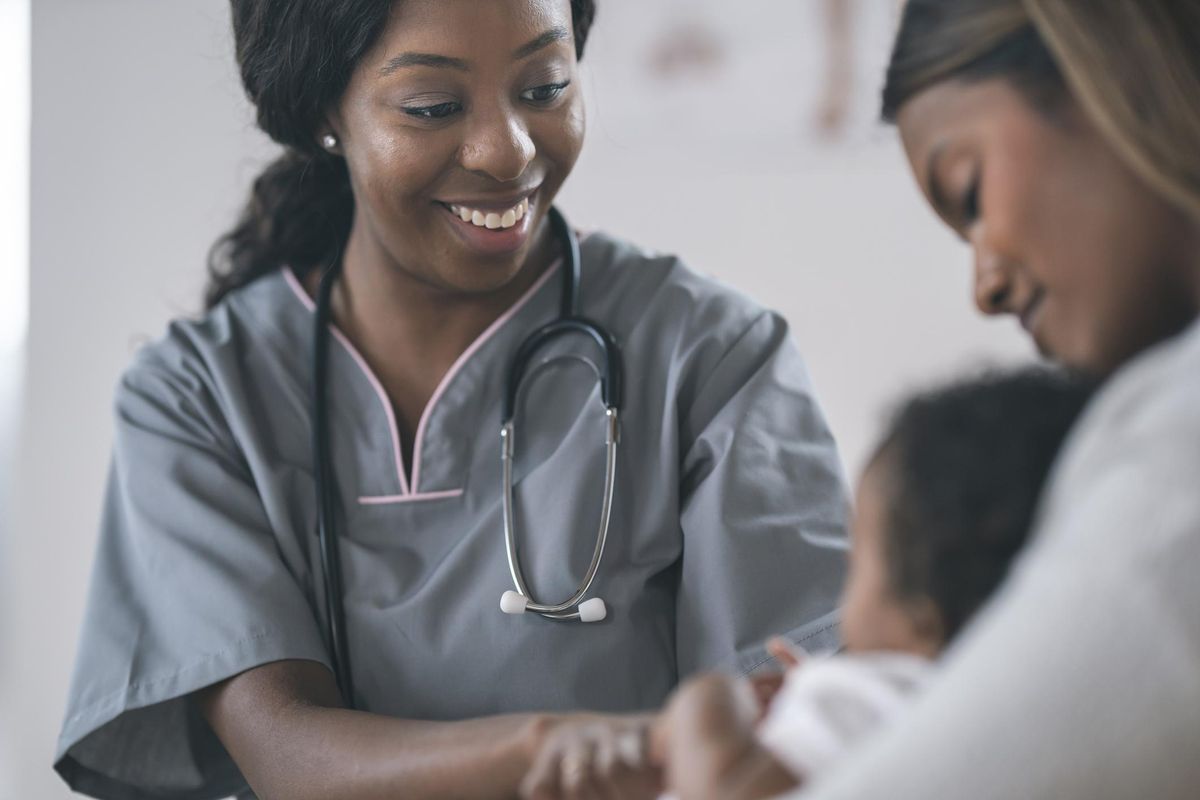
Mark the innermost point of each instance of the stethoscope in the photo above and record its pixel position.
(610, 376)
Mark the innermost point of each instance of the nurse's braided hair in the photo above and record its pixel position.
(296, 58)
(1133, 66)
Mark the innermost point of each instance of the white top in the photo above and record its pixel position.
(1082, 680)
(829, 706)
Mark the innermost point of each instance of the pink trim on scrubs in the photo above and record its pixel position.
(406, 494)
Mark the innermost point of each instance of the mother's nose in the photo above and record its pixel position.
(498, 146)
(994, 280)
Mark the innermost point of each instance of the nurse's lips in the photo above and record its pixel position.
(492, 225)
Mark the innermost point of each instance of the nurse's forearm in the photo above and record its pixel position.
(355, 755)
(281, 724)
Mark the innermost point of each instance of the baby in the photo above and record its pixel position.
(942, 510)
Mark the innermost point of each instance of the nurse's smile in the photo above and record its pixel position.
(492, 225)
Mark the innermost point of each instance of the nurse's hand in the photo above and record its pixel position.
(595, 756)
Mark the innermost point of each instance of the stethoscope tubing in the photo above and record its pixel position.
(331, 565)
(611, 383)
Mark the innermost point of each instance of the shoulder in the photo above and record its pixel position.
(200, 360)
(1157, 392)
(638, 288)
(709, 343)
(1127, 474)
(1149, 411)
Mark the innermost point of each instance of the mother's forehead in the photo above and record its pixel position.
(952, 108)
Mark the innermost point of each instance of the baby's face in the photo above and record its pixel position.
(873, 618)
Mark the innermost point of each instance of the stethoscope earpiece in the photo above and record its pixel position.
(593, 610)
(513, 602)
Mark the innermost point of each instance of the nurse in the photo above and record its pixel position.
(425, 141)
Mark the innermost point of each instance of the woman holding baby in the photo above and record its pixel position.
(1060, 139)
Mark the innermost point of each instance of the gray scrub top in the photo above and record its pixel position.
(728, 520)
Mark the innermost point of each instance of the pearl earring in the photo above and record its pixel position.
(329, 141)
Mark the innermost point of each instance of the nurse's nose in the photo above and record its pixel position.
(499, 146)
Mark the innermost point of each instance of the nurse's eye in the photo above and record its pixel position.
(544, 95)
(436, 111)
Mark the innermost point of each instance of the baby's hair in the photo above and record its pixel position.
(963, 469)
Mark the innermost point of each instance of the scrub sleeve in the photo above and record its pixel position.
(761, 472)
(188, 588)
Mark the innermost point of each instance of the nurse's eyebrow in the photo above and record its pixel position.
(446, 62)
(545, 40)
(423, 60)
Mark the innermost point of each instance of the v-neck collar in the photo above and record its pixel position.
(410, 493)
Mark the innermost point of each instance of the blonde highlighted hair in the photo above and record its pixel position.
(1133, 67)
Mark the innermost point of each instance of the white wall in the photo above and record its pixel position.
(14, 272)
(142, 151)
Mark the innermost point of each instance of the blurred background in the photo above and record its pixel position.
(742, 136)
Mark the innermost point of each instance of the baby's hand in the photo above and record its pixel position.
(710, 721)
(767, 684)
(595, 756)
(787, 654)
(712, 748)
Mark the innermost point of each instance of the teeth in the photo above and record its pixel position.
(491, 219)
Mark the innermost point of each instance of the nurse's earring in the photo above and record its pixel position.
(329, 142)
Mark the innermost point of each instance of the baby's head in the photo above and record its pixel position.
(946, 503)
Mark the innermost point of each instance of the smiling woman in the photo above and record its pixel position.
(425, 144)
(1078, 208)
(1060, 140)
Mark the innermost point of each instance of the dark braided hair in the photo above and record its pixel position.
(296, 58)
